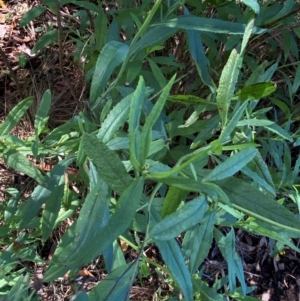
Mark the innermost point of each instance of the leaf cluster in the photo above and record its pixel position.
(159, 157)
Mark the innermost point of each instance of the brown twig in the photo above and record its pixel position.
(16, 81)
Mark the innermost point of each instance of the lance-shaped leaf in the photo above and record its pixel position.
(146, 135)
(88, 237)
(31, 15)
(227, 84)
(253, 202)
(233, 122)
(172, 200)
(15, 115)
(28, 210)
(253, 5)
(181, 220)
(173, 258)
(114, 286)
(41, 116)
(235, 266)
(198, 55)
(197, 241)
(155, 36)
(19, 162)
(110, 167)
(207, 24)
(46, 39)
(232, 165)
(111, 56)
(115, 119)
(256, 91)
(134, 123)
(51, 211)
(230, 75)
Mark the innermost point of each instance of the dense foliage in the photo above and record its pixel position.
(188, 135)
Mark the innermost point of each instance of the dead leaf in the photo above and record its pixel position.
(85, 272)
(2, 4)
(124, 246)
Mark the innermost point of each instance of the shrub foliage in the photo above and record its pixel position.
(188, 135)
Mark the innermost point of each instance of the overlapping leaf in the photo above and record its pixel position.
(87, 238)
(109, 165)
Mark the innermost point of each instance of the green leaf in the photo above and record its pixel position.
(198, 55)
(46, 39)
(108, 163)
(248, 31)
(258, 180)
(105, 111)
(286, 8)
(255, 122)
(216, 147)
(32, 14)
(227, 84)
(157, 73)
(173, 258)
(42, 113)
(81, 234)
(111, 56)
(181, 164)
(189, 185)
(235, 267)
(15, 115)
(181, 220)
(253, 5)
(134, 149)
(198, 241)
(296, 82)
(115, 119)
(256, 91)
(28, 209)
(156, 146)
(51, 211)
(87, 5)
(20, 286)
(241, 297)
(232, 165)
(81, 244)
(114, 286)
(18, 162)
(118, 143)
(260, 167)
(172, 200)
(146, 135)
(207, 293)
(11, 206)
(134, 123)
(229, 76)
(207, 24)
(225, 135)
(207, 130)
(259, 227)
(275, 128)
(190, 100)
(250, 200)
(64, 214)
(282, 105)
(155, 36)
(133, 70)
